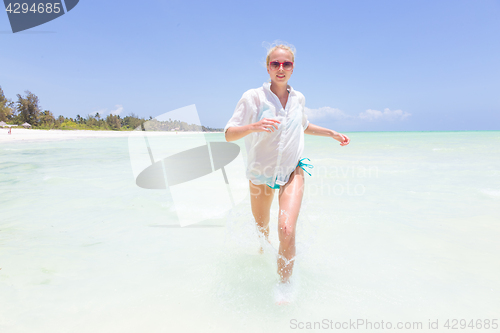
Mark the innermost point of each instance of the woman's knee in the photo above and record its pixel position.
(286, 231)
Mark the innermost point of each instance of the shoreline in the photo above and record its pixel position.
(25, 135)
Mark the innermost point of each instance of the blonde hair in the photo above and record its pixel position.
(279, 45)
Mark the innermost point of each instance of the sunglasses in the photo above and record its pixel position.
(275, 65)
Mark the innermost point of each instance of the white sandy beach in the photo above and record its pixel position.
(22, 134)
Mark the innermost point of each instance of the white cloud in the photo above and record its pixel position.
(103, 112)
(119, 109)
(326, 112)
(371, 115)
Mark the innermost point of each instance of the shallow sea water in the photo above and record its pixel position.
(396, 227)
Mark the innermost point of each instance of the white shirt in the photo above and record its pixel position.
(272, 156)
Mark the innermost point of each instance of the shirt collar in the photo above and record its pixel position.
(267, 86)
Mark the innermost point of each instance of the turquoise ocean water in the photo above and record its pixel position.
(396, 227)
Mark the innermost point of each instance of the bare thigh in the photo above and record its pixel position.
(261, 198)
(290, 200)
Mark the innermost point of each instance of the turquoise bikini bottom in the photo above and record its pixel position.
(302, 165)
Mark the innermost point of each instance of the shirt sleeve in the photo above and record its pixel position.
(305, 122)
(244, 111)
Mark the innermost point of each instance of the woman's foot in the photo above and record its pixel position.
(284, 293)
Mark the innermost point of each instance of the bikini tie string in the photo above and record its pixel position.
(302, 165)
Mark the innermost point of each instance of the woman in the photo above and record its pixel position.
(272, 121)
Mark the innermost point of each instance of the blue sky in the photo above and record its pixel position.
(362, 65)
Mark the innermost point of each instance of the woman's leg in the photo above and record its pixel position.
(290, 199)
(261, 198)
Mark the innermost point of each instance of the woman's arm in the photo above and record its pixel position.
(237, 132)
(321, 131)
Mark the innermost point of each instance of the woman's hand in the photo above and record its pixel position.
(312, 129)
(343, 139)
(265, 125)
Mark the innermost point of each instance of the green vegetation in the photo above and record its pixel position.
(27, 110)
(6, 107)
